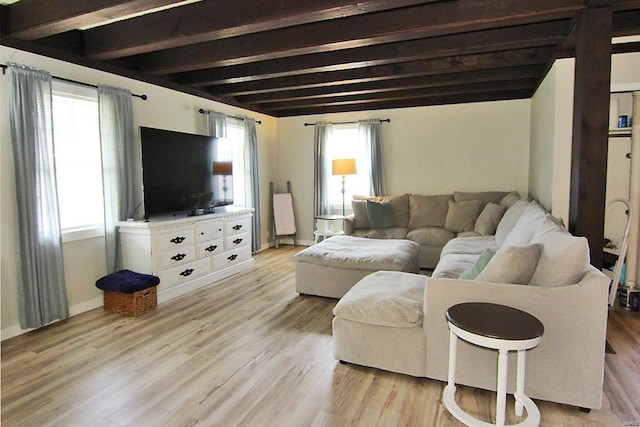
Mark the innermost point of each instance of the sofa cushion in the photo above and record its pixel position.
(512, 264)
(564, 259)
(380, 214)
(484, 196)
(489, 218)
(435, 236)
(510, 199)
(509, 219)
(468, 234)
(473, 271)
(523, 230)
(360, 217)
(461, 216)
(453, 265)
(399, 207)
(384, 298)
(470, 245)
(381, 233)
(428, 211)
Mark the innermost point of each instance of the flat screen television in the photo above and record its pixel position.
(178, 174)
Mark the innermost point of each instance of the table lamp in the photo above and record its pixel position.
(344, 167)
(225, 169)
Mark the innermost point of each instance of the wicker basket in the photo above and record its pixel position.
(131, 304)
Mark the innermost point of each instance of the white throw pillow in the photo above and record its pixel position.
(564, 259)
(509, 219)
(512, 264)
(523, 230)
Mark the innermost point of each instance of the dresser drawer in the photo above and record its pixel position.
(238, 226)
(214, 247)
(208, 230)
(236, 241)
(175, 256)
(229, 258)
(184, 272)
(177, 238)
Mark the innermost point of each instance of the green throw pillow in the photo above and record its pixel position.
(380, 214)
(472, 272)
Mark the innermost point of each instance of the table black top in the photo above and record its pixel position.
(495, 321)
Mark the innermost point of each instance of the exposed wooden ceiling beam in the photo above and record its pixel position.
(523, 36)
(454, 64)
(395, 25)
(527, 72)
(212, 20)
(35, 19)
(496, 95)
(522, 84)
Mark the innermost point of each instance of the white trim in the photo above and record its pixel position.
(82, 233)
(624, 87)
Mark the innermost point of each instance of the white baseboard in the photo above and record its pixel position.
(289, 241)
(15, 330)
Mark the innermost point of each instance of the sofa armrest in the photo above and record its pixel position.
(349, 225)
(567, 366)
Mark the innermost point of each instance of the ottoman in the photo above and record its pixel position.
(333, 266)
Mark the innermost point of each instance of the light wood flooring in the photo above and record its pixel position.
(248, 351)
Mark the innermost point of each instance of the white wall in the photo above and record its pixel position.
(427, 150)
(84, 260)
(551, 134)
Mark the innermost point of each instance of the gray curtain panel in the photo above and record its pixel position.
(369, 131)
(217, 125)
(321, 169)
(252, 179)
(120, 166)
(42, 293)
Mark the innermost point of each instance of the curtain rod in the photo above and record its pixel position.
(203, 111)
(347, 123)
(143, 97)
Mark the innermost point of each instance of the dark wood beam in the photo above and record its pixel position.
(374, 28)
(590, 127)
(494, 76)
(398, 95)
(626, 23)
(454, 64)
(212, 20)
(35, 19)
(436, 100)
(518, 37)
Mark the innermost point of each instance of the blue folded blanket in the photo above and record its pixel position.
(127, 281)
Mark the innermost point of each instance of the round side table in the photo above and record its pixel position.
(499, 328)
(327, 226)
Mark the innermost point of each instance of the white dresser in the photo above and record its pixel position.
(188, 253)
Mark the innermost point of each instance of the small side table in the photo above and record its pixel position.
(499, 328)
(327, 226)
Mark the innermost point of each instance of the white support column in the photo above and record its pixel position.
(501, 392)
(634, 196)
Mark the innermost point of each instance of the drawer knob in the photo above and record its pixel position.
(232, 257)
(178, 257)
(186, 272)
(211, 248)
(237, 241)
(178, 239)
(237, 227)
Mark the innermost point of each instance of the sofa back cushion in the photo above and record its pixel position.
(484, 196)
(564, 259)
(512, 264)
(523, 230)
(509, 219)
(489, 218)
(399, 209)
(428, 211)
(461, 216)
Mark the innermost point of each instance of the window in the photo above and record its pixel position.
(76, 135)
(232, 149)
(345, 144)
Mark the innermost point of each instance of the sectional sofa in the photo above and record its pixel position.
(429, 220)
(396, 321)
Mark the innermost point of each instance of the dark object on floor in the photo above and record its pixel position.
(129, 293)
(126, 281)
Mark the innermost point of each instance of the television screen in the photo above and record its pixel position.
(179, 175)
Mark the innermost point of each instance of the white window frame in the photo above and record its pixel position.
(89, 231)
